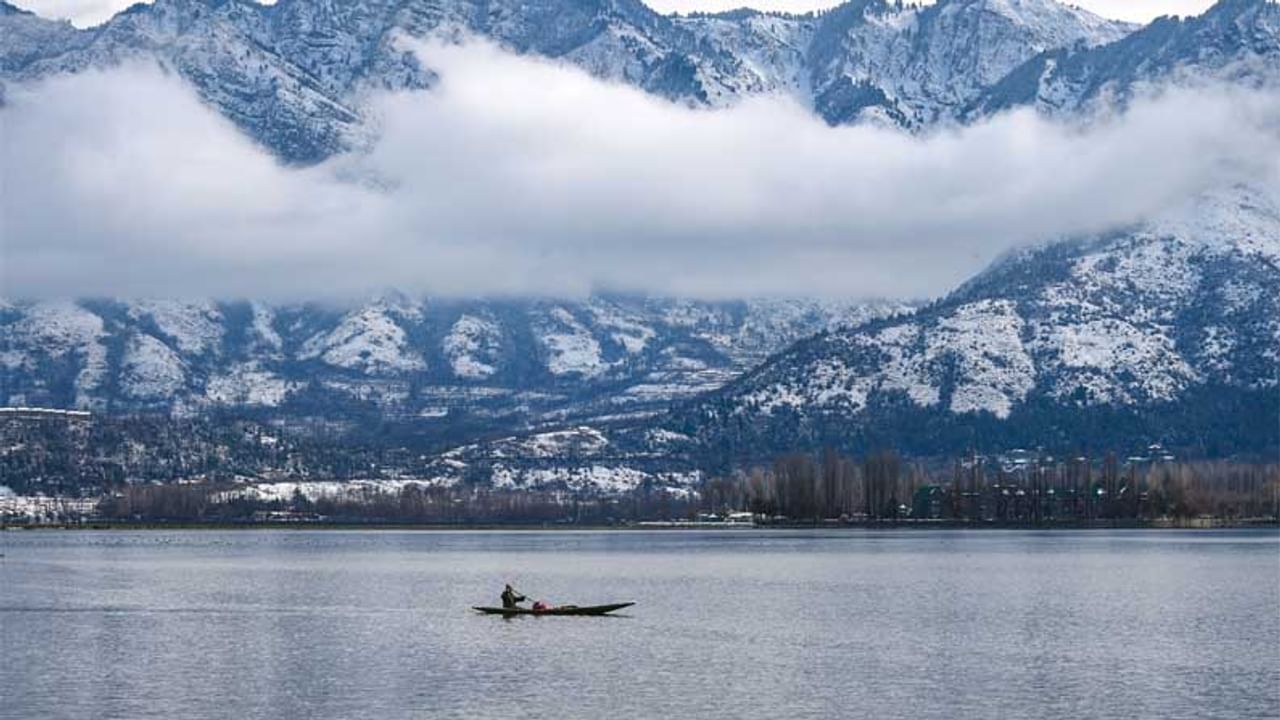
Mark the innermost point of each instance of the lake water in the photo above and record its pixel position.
(733, 624)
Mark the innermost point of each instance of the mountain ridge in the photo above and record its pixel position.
(292, 75)
(1178, 307)
(500, 364)
(1166, 330)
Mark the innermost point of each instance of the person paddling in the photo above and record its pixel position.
(511, 598)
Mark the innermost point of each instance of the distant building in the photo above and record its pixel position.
(36, 413)
(929, 503)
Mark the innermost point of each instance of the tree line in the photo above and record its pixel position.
(411, 504)
(884, 486)
(796, 488)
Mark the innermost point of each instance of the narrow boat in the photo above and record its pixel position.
(558, 610)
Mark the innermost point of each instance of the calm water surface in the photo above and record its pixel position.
(743, 624)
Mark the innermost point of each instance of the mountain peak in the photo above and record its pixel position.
(7, 9)
(1237, 6)
(295, 75)
(1158, 332)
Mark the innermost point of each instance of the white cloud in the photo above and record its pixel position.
(84, 13)
(520, 176)
(81, 13)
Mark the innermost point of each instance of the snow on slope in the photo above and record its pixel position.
(605, 479)
(993, 370)
(151, 370)
(296, 76)
(1192, 299)
(263, 329)
(368, 340)
(626, 328)
(1111, 360)
(771, 50)
(980, 344)
(500, 360)
(194, 327)
(917, 67)
(582, 459)
(1241, 218)
(472, 346)
(356, 491)
(56, 330)
(571, 349)
(248, 384)
(1237, 41)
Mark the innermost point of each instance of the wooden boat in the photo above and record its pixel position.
(558, 610)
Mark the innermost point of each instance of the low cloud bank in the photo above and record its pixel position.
(517, 175)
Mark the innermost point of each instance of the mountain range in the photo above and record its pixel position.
(443, 365)
(1166, 333)
(1167, 330)
(297, 75)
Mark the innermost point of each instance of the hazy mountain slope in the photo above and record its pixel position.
(1166, 332)
(1169, 331)
(503, 363)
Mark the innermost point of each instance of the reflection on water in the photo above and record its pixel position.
(946, 624)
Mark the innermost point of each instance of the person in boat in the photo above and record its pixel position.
(511, 598)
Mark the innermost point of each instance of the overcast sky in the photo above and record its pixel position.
(516, 175)
(91, 12)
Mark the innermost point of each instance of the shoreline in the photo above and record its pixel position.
(673, 526)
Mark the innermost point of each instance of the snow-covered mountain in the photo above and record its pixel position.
(915, 68)
(1168, 331)
(1235, 40)
(502, 364)
(1165, 332)
(296, 75)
